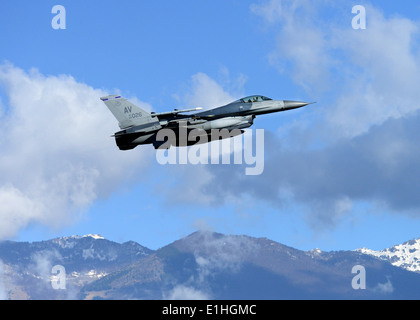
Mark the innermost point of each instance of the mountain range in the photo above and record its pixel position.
(204, 265)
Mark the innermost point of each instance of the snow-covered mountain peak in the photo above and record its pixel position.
(314, 252)
(69, 242)
(94, 236)
(405, 255)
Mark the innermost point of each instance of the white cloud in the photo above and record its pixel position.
(56, 153)
(205, 92)
(361, 78)
(215, 253)
(43, 263)
(384, 288)
(301, 43)
(182, 292)
(17, 210)
(380, 75)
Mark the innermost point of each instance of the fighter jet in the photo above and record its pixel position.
(139, 127)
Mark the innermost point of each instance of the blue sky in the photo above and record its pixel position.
(340, 174)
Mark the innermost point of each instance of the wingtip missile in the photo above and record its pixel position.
(176, 111)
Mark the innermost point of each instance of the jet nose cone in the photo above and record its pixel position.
(294, 104)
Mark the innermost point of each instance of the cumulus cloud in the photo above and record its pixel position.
(301, 45)
(361, 77)
(56, 154)
(383, 68)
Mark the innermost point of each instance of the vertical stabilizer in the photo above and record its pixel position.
(127, 114)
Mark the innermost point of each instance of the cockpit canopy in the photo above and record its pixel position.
(253, 99)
